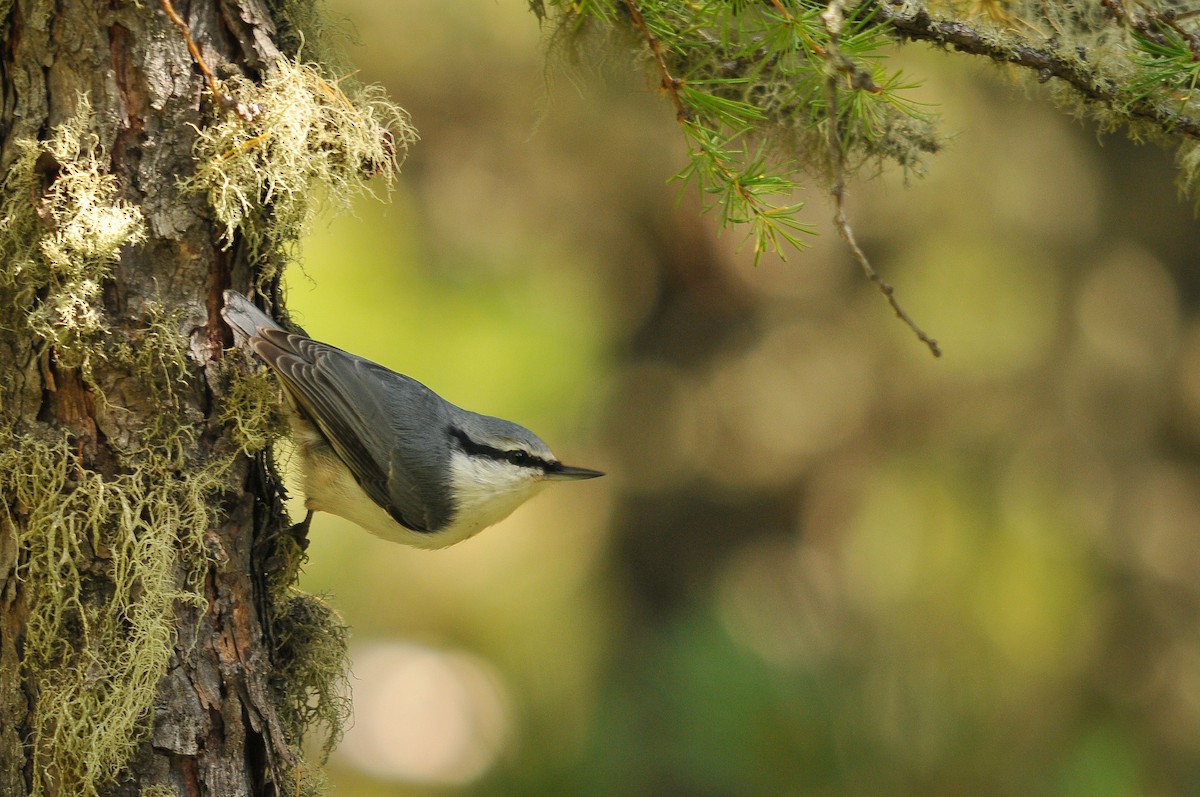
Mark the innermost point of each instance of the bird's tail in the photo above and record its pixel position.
(246, 319)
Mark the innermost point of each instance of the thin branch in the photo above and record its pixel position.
(670, 83)
(1046, 60)
(193, 48)
(840, 68)
(247, 112)
(834, 18)
(1150, 22)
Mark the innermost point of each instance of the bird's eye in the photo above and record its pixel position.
(519, 457)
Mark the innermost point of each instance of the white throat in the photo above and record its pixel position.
(487, 491)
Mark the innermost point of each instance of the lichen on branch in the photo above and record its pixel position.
(756, 68)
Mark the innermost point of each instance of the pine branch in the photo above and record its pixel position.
(765, 90)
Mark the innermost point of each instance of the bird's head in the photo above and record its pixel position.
(497, 465)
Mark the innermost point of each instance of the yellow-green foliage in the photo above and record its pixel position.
(294, 132)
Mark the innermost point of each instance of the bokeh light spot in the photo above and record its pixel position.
(424, 716)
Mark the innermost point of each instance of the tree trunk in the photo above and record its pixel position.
(149, 640)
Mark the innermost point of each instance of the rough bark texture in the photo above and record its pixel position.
(214, 728)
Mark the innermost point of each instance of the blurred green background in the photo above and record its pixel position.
(823, 563)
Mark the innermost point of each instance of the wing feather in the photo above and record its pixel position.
(354, 403)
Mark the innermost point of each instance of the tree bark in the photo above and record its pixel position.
(141, 584)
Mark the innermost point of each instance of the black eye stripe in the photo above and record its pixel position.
(517, 457)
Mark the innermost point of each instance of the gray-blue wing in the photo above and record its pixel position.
(364, 410)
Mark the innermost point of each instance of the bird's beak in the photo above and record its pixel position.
(568, 472)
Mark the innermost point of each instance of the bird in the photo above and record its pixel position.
(387, 453)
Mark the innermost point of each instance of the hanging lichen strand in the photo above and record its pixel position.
(103, 561)
(294, 132)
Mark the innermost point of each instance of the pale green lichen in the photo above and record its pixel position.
(104, 560)
(158, 791)
(158, 354)
(295, 131)
(305, 781)
(1126, 67)
(69, 240)
(1188, 159)
(312, 647)
(251, 410)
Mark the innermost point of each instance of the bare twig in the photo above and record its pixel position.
(834, 18)
(840, 68)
